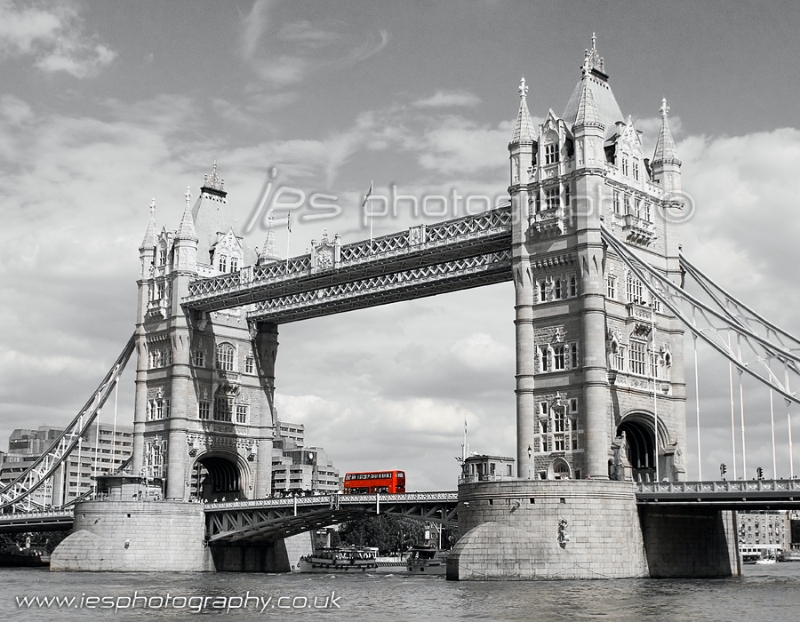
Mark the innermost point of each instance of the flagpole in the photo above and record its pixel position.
(288, 237)
(366, 200)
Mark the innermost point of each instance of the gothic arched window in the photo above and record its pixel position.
(226, 357)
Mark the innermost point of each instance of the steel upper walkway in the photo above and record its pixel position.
(421, 261)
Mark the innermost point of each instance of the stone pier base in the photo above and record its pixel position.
(279, 556)
(135, 536)
(533, 529)
(685, 541)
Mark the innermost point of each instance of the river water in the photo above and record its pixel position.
(768, 593)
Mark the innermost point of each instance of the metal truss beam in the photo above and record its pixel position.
(418, 247)
(731, 336)
(727, 495)
(17, 494)
(451, 276)
(273, 519)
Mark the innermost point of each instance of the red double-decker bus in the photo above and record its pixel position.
(365, 483)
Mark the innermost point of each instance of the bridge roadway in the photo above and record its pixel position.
(271, 519)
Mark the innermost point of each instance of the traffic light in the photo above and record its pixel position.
(722, 470)
(760, 473)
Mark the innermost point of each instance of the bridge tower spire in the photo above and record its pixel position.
(203, 417)
(595, 357)
(522, 148)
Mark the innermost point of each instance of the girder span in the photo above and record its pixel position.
(729, 331)
(45, 466)
(272, 519)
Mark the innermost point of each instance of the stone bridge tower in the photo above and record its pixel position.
(203, 416)
(597, 358)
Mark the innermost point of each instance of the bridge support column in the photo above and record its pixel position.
(690, 541)
(266, 347)
(177, 447)
(568, 529)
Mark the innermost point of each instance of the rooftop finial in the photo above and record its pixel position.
(153, 206)
(664, 108)
(213, 181)
(591, 59)
(188, 195)
(523, 88)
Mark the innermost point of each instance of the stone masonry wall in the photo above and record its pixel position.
(516, 530)
(135, 536)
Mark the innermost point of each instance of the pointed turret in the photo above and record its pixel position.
(587, 110)
(186, 239)
(149, 240)
(665, 147)
(186, 229)
(268, 254)
(523, 130)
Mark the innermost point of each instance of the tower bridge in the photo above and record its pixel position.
(592, 242)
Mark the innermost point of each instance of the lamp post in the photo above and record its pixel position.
(529, 461)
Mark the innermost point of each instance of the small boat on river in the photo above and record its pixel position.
(340, 559)
(427, 560)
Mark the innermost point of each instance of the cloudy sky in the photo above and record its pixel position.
(106, 105)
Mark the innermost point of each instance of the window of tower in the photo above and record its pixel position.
(544, 358)
(249, 365)
(573, 286)
(551, 153)
(542, 291)
(162, 255)
(241, 413)
(222, 409)
(617, 203)
(226, 355)
(573, 355)
(647, 212)
(223, 263)
(567, 196)
(637, 357)
(557, 289)
(627, 204)
(559, 358)
(611, 283)
(634, 289)
(636, 169)
(625, 166)
(234, 264)
(204, 410)
(198, 358)
(552, 198)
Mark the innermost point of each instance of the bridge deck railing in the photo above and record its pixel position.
(417, 238)
(337, 500)
(720, 486)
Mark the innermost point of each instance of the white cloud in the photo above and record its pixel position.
(446, 99)
(54, 35)
(304, 46)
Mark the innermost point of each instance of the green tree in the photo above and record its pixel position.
(390, 534)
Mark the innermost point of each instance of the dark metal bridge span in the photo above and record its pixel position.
(272, 519)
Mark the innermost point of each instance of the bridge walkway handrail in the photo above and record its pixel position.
(335, 499)
(442, 234)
